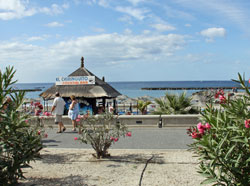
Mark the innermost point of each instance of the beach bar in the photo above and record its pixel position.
(86, 87)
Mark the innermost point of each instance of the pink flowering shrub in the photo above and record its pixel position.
(101, 132)
(222, 141)
(19, 142)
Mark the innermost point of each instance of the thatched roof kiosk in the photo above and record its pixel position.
(90, 92)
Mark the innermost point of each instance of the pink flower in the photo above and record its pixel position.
(200, 126)
(202, 131)
(75, 138)
(112, 138)
(77, 120)
(247, 123)
(39, 132)
(26, 121)
(195, 135)
(208, 126)
(249, 81)
(79, 116)
(46, 114)
(222, 99)
(128, 134)
(116, 139)
(45, 135)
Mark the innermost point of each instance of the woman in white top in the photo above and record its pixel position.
(73, 111)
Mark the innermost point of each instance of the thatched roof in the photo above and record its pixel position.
(100, 89)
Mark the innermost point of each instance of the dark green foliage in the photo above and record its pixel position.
(174, 104)
(224, 150)
(142, 106)
(19, 144)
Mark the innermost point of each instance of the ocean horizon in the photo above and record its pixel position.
(133, 88)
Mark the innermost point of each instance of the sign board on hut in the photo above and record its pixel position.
(76, 80)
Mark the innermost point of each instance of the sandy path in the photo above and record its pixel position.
(123, 168)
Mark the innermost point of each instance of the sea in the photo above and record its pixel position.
(134, 89)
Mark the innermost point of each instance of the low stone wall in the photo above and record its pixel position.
(167, 120)
(140, 120)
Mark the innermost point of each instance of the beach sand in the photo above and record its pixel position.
(123, 168)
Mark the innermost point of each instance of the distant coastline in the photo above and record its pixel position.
(133, 89)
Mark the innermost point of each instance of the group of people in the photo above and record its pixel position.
(58, 110)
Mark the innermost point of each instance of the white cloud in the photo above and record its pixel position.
(16, 9)
(233, 11)
(188, 25)
(175, 13)
(35, 38)
(211, 33)
(12, 9)
(127, 19)
(103, 3)
(135, 2)
(137, 13)
(104, 48)
(146, 32)
(54, 10)
(100, 30)
(163, 27)
(127, 31)
(54, 24)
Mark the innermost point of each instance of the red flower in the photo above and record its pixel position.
(39, 132)
(75, 138)
(37, 103)
(77, 120)
(112, 138)
(247, 123)
(45, 135)
(40, 106)
(195, 135)
(128, 134)
(116, 139)
(222, 99)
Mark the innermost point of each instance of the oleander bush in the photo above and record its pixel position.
(19, 143)
(222, 140)
(101, 132)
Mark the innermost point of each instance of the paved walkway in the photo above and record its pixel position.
(142, 138)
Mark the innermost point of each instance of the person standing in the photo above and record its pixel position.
(58, 109)
(73, 111)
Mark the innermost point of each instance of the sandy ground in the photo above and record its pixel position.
(123, 168)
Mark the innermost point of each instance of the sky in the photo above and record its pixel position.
(126, 40)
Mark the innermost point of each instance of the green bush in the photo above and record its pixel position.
(101, 132)
(19, 144)
(174, 104)
(222, 141)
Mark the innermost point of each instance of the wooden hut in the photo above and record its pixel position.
(85, 93)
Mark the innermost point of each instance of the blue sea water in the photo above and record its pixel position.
(133, 89)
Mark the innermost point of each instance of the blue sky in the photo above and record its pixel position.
(126, 40)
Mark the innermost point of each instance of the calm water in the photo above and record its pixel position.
(133, 89)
